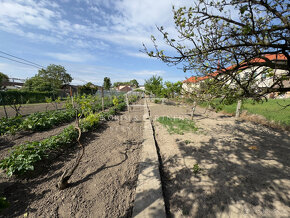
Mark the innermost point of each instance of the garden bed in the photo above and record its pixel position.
(226, 168)
(102, 186)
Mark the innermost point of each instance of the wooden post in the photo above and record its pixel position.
(103, 107)
(238, 110)
(193, 109)
(127, 102)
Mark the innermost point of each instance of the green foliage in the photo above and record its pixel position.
(176, 125)
(10, 125)
(41, 121)
(196, 169)
(88, 88)
(3, 203)
(23, 158)
(107, 83)
(214, 41)
(132, 82)
(3, 78)
(157, 101)
(49, 79)
(115, 101)
(12, 96)
(154, 85)
(187, 142)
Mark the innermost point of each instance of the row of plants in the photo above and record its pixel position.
(41, 121)
(23, 158)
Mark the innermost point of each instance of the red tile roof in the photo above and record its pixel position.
(271, 57)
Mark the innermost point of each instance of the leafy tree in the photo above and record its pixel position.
(214, 35)
(154, 85)
(134, 83)
(107, 83)
(88, 88)
(49, 79)
(38, 83)
(3, 78)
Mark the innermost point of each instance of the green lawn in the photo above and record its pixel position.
(271, 110)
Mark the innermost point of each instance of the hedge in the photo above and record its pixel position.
(12, 96)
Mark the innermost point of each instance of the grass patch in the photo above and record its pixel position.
(270, 109)
(176, 125)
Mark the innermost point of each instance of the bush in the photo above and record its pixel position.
(9, 97)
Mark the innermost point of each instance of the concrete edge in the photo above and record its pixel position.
(149, 200)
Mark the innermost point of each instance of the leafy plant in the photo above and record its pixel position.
(3, 203)
(196, 169)
(10, 125)
(176, 125)
(187, 142)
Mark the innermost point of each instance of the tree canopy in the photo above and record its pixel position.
(3, 78)
(155, 85)
(132, 83)
(107, 83)
(50, 79)
(214, 35)
(88, 88)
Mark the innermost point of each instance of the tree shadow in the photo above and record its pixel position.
(247, 174)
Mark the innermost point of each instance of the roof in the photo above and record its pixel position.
(271, 57)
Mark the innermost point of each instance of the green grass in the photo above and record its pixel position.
(176, 125)
(270, 109)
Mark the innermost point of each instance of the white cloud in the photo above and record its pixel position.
(149, 72)
(71, 57)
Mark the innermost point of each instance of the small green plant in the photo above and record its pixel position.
(196, 169)
(115, 101)
(176, 125)
(187, 142)
(157, 101)
(3, 203)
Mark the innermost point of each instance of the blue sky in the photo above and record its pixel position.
(92, 39)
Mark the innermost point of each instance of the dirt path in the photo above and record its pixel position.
(103, 185)
(245, 167)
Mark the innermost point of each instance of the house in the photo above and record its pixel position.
(124, 89)
(243, 72)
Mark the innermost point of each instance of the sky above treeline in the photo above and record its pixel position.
(92, 39)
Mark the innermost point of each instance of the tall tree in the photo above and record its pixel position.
(134, 83)
(154, 85)
(107, 83)
(3, 78)
(214, 35)
(49, 79)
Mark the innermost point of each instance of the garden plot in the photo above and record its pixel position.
(226, 168)
(102, 186)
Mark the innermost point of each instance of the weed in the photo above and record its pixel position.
(187, 142)
(176, 125)
(196, 169)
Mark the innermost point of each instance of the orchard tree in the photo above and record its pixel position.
(107, 83)
(88, 88)
(214, 35)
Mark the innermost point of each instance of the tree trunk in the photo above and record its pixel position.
(238, 109)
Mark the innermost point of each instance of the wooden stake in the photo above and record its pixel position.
(238, 110)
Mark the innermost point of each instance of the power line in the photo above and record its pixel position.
(22, 59)
(20, 62)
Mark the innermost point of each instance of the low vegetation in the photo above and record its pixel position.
(177, 126)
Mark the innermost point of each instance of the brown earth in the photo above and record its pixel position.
(103, 185)
(8, 141)
(245, 167)
(27, 109)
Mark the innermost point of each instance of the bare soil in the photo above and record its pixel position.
(9, 141)
(27, 109)
(102, 186)
(245, 167)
